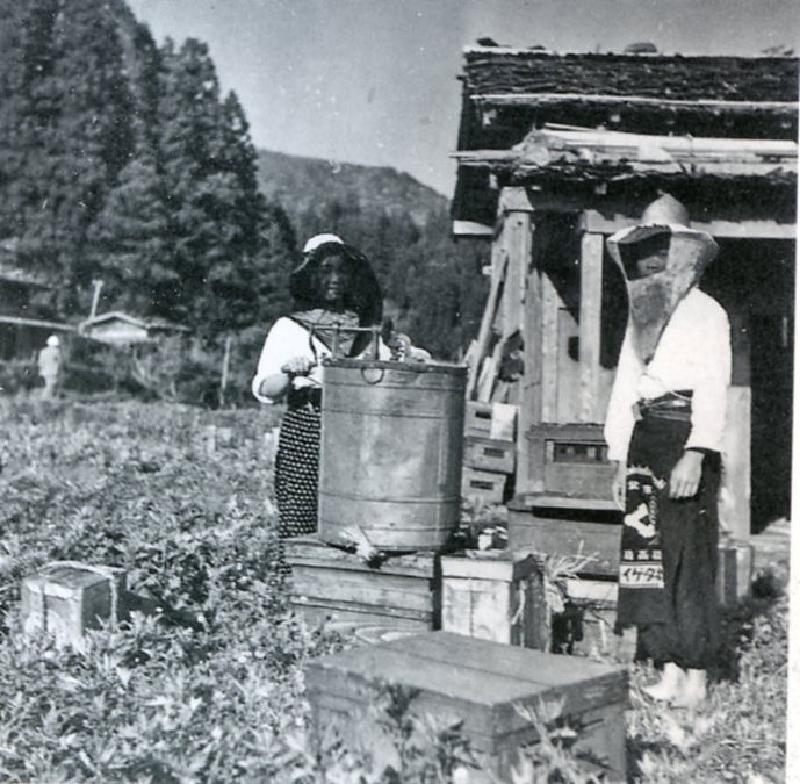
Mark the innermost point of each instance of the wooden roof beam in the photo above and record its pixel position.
(29, 322)
(545, 99)
(614, 217)
(617, 153)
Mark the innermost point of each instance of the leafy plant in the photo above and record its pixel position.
(205, 683)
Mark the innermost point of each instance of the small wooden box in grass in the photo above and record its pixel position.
(493, 596)
(66, 598)
(481, 683)
(328, 583)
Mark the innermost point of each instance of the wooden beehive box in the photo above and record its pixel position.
(568, 460)
(67, 598)
(478, 682)
(567, 531)
(490, 420)
(483, 484)
(493, 598)
(596, 602)
(329, 583)
(487, 454)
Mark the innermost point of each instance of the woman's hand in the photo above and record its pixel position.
(276, 385)
(298, 366)
(619, 484)
(684, 481)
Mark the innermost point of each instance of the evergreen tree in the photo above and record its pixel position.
(276, 258)
(217, 215)
(130, 244)
(68, 131)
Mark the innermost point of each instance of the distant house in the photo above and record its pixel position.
(122, 329)
(22, 333)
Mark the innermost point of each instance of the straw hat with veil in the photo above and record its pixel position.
(663, 231)
(362, 299)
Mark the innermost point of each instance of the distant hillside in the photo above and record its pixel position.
(433, 288)
(298, 182)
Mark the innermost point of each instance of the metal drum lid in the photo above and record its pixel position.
(409, 367)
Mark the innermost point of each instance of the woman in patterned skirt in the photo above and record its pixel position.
(333, 288)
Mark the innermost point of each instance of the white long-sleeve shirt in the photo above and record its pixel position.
(286, 340)
(693, 353)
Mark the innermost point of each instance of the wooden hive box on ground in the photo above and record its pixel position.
(493, 597)
(330, 583)
(66, 598)
(481, 683)
(596, 601)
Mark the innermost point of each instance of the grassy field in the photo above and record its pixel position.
(205, 683)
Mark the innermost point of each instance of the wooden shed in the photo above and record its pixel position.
(23, 330)
(122, 329)
(558, 151)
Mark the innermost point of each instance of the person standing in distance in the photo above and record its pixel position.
(49, 362)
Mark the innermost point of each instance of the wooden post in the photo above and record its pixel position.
(589, 327)
(499, 261)
(518, 227)
(97, 286)
(226, 363)
(530, 408)
(734, 499)
(550, 349)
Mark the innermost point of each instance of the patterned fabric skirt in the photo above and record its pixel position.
(668, 563)
(297, 471)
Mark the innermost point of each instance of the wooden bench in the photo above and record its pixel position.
(481, 683)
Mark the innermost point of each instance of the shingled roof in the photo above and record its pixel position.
(494, 70)
(510, 93)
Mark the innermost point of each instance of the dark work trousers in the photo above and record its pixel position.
(669, 549)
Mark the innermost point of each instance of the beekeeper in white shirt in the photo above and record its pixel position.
(664, 429)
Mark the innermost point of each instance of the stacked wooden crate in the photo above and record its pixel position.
(329, 584)
(488, 451)
(493, 596)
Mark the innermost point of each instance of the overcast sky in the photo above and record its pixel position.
(373, 81)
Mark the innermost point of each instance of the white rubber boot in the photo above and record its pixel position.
(694, 690)
(670, 686)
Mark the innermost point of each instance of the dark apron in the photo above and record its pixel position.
(668, 558)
